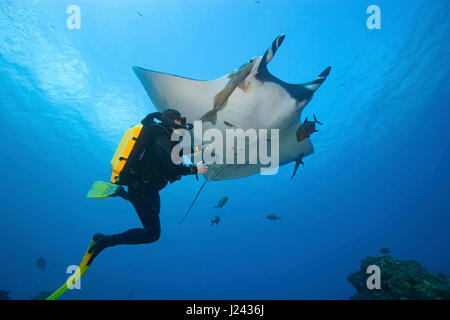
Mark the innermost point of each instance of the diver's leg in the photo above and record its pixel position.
(148, 210)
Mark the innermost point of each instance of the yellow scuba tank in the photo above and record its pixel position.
(123, 151)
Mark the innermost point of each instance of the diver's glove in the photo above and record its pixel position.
(194, 170)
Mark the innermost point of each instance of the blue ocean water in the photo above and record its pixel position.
(379, 176)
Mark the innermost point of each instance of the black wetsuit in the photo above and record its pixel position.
(147, 207)
(149, 175)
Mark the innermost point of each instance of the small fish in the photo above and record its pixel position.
(216, 221)
(221, 202)
(139, 13)
(40, 263)
(307, 128)
(297, 163)
(51, 26)
(385, 250)
(273, 217)
(237, 79)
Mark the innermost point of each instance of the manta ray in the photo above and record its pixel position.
(248, 97)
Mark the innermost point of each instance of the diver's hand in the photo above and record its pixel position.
(208, 147)
(202, 168)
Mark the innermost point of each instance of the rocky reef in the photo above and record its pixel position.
(400, 280)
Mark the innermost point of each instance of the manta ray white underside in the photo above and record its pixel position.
(265, 104)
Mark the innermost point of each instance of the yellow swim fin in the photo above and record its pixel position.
(101, 189)
(75, 277)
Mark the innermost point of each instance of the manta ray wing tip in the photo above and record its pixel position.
(137, 70)
(325, 72)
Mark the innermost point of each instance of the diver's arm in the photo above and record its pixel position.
(188, 151)
(162, 152)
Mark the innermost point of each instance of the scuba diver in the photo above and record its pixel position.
(148, 169)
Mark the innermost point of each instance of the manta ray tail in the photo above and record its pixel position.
(314, 85)
(210, 116)
(193, 202)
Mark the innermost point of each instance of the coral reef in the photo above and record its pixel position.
(400, 280)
